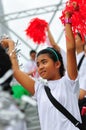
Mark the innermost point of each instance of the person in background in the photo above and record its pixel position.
(50, 66)
(82, 73)
(30, 67)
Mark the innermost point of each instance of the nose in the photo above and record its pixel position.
(40, 67)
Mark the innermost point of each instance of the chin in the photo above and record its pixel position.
(44, 77)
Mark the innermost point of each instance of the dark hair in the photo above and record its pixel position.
(5, 66)
(52, 54)
(5, 62)
(32, 51)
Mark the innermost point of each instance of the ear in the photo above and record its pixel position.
(58, 64)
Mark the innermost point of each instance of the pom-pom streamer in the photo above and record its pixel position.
(37, 30)
(78, 15)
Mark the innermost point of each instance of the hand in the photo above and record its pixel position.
(76, 6)
(6, 43)
(68, 14)
(47, 28)
(71, 7)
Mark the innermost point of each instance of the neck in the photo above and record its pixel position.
(79, 50)
(57, 76)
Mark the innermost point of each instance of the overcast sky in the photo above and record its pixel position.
(20, 25)
(17, 5)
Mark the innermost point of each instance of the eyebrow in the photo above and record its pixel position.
(41, 60)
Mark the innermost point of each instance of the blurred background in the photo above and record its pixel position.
(15, 16)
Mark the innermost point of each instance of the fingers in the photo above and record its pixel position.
(6, 42)
(71, 7)
(76, 6)
(68, 14)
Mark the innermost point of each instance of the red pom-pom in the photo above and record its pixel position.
(78, 16)
(37, 30)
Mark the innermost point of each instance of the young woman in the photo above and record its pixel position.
(82, 73)
(64, 88)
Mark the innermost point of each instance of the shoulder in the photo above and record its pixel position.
(39, 84)
(83, 58)
(79, 56)
(71, 84)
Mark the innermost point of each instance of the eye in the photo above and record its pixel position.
(37, 64)
(44, 61)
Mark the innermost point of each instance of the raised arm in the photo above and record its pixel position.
(20, 76)
(70, 45)
(52, 41)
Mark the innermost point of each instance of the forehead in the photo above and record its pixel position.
(42, 57)
(33, 53)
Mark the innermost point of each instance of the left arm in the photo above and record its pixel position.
(52, 41)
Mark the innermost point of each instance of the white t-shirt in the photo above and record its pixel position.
(82, 71)
(66, 92)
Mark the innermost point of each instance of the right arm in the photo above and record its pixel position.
(21, 77)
